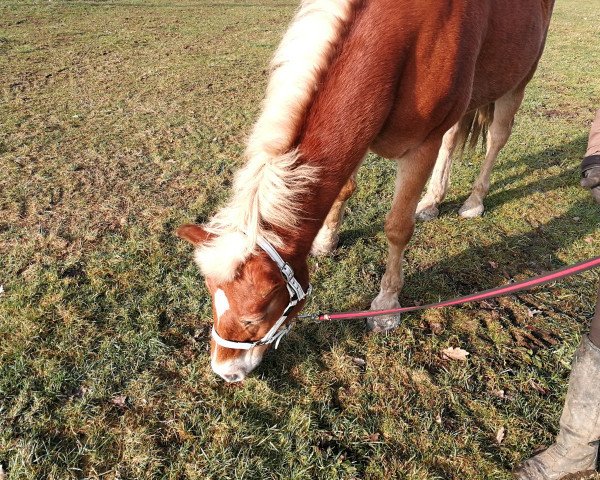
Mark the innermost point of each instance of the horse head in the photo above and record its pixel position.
(252, 308)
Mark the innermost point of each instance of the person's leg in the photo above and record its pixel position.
(594, 138)
(590, 166)
(576, 447)
(593, 148)
(595, 327)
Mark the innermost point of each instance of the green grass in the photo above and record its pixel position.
(120, 121)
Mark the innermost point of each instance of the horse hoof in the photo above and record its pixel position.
(383, 323)
(427, 213)
(471, 212)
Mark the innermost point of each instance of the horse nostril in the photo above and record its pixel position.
(233, 377)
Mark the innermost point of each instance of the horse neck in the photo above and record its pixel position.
(348, 111)
(334, 168)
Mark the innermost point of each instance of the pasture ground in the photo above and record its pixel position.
(120, 120)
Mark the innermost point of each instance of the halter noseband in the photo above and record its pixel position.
(296, 292)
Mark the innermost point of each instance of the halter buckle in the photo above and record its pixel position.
(287, 271)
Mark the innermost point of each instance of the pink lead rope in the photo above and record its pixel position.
(494, 292)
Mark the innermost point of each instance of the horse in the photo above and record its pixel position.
(349, 76)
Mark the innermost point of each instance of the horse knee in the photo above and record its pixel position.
(399, 230)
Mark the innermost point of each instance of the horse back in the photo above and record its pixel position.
(457, 56)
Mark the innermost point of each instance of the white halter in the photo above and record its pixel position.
(296, 292)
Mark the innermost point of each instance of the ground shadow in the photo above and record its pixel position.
(470, 271)
(463, 273)
(551, 156)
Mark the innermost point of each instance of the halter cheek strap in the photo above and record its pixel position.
(296, 293)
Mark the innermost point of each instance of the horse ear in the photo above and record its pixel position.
(194, 234)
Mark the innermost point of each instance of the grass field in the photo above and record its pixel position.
(121, 120)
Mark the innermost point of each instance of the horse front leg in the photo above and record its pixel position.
(413, 170)
(328, 236)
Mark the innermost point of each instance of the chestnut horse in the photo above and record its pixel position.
(392, 76)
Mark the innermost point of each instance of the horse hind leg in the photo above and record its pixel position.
(498, 133)
(413, 170)
(427, 209)
(328, 236)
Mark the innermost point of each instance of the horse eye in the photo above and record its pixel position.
(247, 321)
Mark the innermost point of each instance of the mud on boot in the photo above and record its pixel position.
(575, 452)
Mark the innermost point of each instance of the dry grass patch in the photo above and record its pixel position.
(118, 122)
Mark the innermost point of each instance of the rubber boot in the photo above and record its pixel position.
(576, 447)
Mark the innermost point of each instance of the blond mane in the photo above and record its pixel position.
(267, 188)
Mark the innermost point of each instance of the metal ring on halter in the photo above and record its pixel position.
(296, 293)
